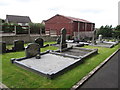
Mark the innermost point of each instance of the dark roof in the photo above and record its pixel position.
(18, 19)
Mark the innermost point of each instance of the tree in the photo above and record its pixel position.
(36, 28)
(117, 28)
(106, 31)
(117, 32)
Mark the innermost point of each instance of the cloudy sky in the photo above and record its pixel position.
(101, 12)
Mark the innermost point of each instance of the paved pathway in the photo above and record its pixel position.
(106, 77)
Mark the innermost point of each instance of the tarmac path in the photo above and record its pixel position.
(106, 77)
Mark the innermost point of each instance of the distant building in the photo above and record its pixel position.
(74, 26)
(21, 20)
(43, 22)
(1, 22)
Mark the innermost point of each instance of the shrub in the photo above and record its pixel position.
(7, 28)
(37, 28)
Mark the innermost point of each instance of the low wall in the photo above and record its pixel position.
(84, 34)
(26, 38)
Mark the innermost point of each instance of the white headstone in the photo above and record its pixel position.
(100, 38)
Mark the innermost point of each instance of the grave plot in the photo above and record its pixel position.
(73, 51)
(77, 52)
(53, 63)
(101, 43)
(49, 65)
(104, 44)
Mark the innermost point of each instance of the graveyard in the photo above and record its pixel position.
(63, 63)
(47, 63)
(25, 79)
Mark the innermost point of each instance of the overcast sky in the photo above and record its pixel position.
(100, 12)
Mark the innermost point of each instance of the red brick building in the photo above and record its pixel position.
(74, 26)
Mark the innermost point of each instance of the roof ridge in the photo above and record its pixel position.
(17, 15)
(75, 19)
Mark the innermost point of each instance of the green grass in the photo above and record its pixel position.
(16, 77)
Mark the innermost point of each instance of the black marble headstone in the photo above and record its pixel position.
(2, 47)
(18, 45)
(39, 41)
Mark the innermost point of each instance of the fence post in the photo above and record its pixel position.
(15, 29)
(40, 31)
(28, 29)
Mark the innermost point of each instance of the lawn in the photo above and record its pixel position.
(16, 77)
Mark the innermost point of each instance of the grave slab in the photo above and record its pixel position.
(49, 65)
(104, 44)
(77, 52)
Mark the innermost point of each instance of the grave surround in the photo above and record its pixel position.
(53, 64)
(101, 43)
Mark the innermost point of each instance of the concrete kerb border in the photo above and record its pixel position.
(78, 84)
(3, 86)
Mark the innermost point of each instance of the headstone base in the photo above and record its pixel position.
(63, 46)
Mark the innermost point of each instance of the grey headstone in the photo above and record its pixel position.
(18, 45)
(2, 47)
(32, 50)
(40, 41)
(63, 44)
(94, 37)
